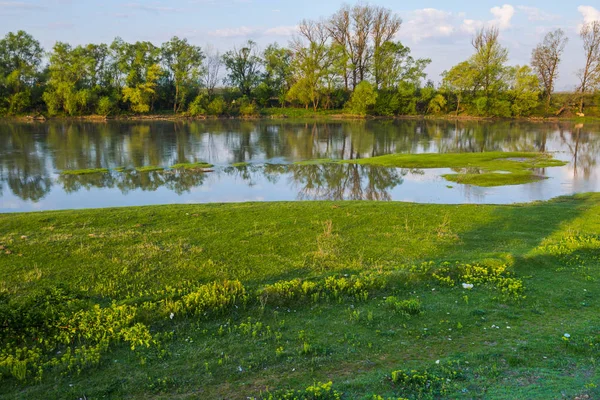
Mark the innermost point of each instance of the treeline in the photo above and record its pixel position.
(348, 61)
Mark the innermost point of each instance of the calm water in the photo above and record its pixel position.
(32, 156)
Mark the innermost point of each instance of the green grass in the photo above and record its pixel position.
(240, 164)
(489, 179)
(357, 293)
(85, 171)
(519, 166)
(149, 168)
(198, 165)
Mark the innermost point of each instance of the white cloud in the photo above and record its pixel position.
(153, 7)
(428, 23)
(244, 31)
(234, 32)
(536, 14)
(502, 19)
(282, 30)
(589, 13)
(503, 16)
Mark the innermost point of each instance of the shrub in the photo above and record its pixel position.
(362, 99)
(216, 107)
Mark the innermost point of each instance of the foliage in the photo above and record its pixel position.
(363, 97)
(243, 66)
(20, 67)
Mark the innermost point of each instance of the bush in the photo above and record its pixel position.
(105, 106)
(216, 107)
(362, 99)
(198, 106)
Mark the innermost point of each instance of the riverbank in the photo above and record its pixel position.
(229, 301)
(294, 113)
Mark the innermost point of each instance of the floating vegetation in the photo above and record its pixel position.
(493, 168)
(193, 166)
(149, 168)
(85, 171)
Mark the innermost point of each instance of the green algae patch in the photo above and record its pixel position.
(85, 171)
(493, 168)
(240, 164)
(490, 179)
(193, 166)
(149, 168)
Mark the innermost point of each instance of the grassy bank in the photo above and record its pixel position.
(229, 301)
(296, 113)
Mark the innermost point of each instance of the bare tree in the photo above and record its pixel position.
(213, 63)
(545, 59)
(590, 74)
(351, 28)
(385, 26)
(361, 30)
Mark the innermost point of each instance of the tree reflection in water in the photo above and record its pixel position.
(31, 155)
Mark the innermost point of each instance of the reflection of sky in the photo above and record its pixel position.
(425, 186)
(279, 145)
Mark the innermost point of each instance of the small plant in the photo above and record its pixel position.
(407, 307)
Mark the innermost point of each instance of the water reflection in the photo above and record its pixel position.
(31, 155)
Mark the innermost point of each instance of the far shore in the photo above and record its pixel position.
(304, 116)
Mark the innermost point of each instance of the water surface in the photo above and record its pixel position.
(33, 154)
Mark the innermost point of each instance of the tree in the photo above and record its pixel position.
(397, 65)
(139, 72)
(363, 97)
(545, 59)
(67, 70)
(183, 63)
(212, 69)
(313, 63)
(589, 76)
(361, 30)
(20, 66)
(524, 90)
(243, 66)
(459, 80)
(385, 26)
(278, 71)
(488, 62)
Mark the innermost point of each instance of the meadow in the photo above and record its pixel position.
(304, 300)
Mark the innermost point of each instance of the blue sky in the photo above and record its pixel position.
(440, 30)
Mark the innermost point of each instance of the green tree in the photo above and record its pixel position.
(138, 73)
(20, 66)
(488, 63)
(460, 81)
(313, 65)
(67, 89)
(395, 64)
(524, 90)
(183, 64)
(278, 71)
(243, 66)
(363, 97)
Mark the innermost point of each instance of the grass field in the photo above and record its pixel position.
(276, 300)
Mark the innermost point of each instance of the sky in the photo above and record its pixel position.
(440, 30)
